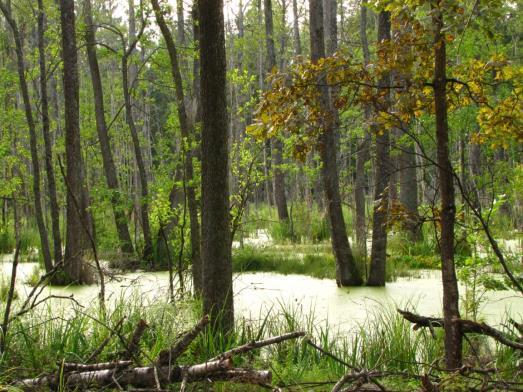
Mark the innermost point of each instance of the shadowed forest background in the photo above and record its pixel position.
(261, 194)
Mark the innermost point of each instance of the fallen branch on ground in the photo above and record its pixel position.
(133, 347)
(259, 344)
(171, 355)
(467, 326)
(120, 373)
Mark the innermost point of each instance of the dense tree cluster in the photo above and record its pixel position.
(145, 131)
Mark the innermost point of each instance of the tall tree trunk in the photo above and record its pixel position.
(277, 146)
(475, 173)
(196, 66)
(44, 241)
(296, 29)
(180, 28)
(453, 335)
(347, 272)
(142, 174)
(48, 145)
(109, 167)
(267, 146)
(362, 153)
(187, 134)
(409, 190)
(216, 242)
(78, 222)
(378, 255)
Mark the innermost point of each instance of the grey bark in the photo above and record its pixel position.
(408, 195)
(77, 239)
(48, 145)
(187, 134)
(276, 144)
(216, 249)
(109, 167)
(362, 153)
(453, 334)
(296, 29)
(347, 272)
(142, 173)
(378, 256)
(44, 242)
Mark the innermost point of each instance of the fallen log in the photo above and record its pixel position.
(467, 326)
(139, 377)
(80, 367)
(244, 376)
(120, 374)
(258, 344)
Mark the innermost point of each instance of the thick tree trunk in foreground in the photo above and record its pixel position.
(453, 335)
(111, 176)
(347, 272)
(44, 242)
(378, 255)
(277, 156)
(187, 134)
(77, 239)
(216, 242)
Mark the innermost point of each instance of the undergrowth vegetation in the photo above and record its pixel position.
(42, 339)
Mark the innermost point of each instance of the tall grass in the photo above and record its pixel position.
(255, 260)
(52, 334)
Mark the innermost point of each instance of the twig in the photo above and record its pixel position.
(328, 354)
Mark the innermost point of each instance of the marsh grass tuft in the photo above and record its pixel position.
(256, 260)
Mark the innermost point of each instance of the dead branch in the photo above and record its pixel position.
(258, 344)
(172, 354)
(467, 326)
(362, 379)
(80, 367)
(328, 354)
(106, 341)
(134, 343)
(244, 376)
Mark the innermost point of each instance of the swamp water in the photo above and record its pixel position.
(343, 309)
